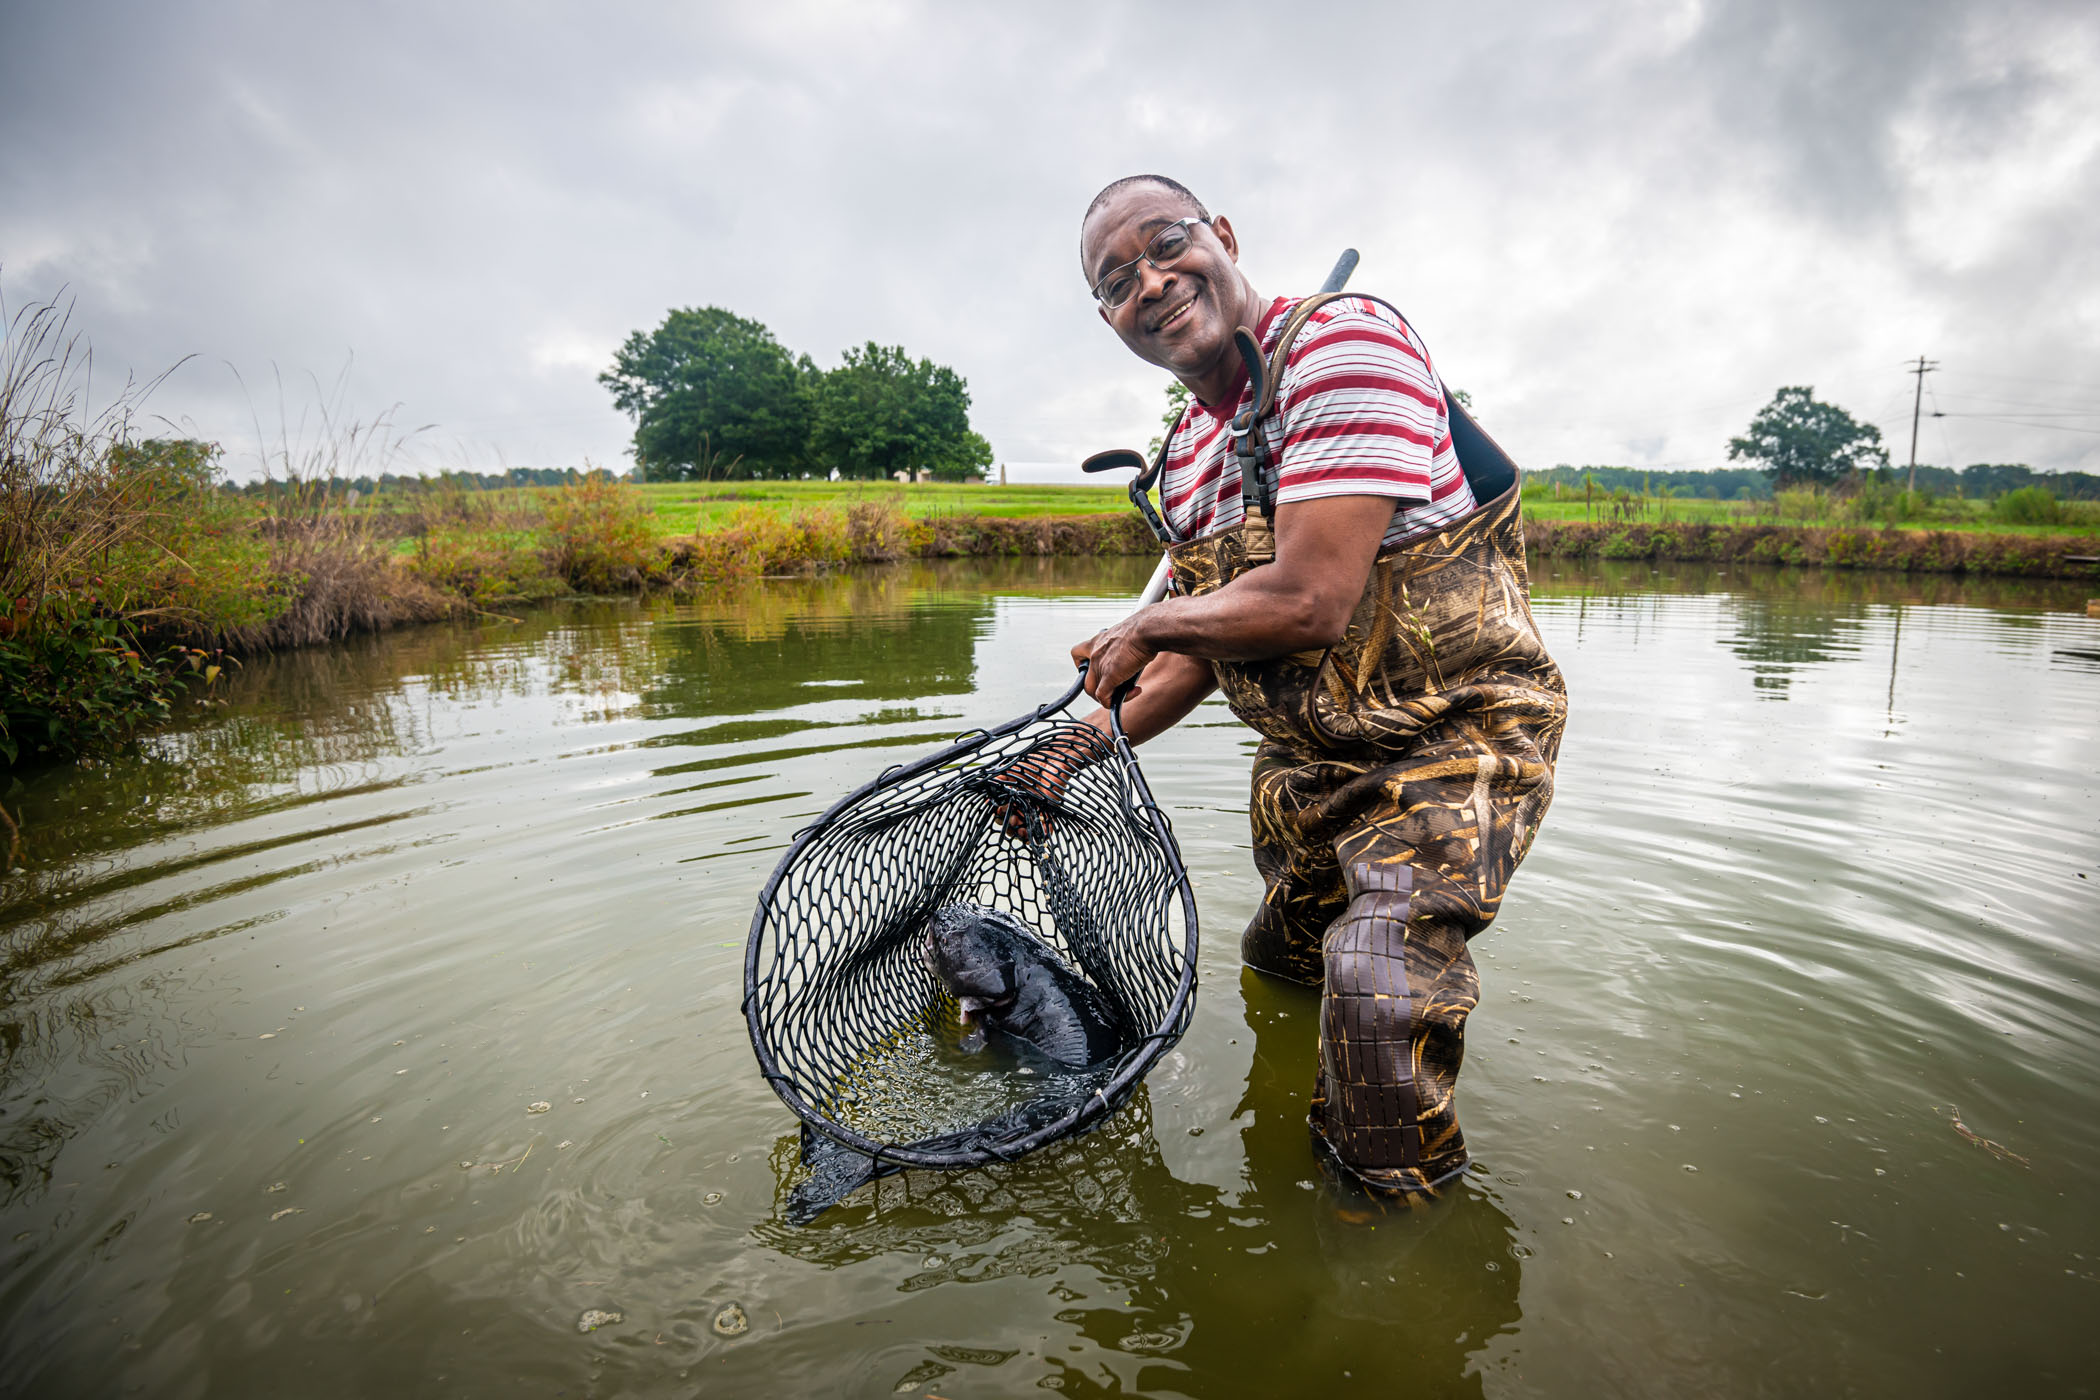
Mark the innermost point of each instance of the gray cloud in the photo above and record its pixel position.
(1618, 228)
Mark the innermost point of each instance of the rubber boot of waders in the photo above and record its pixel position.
(1392, 1034)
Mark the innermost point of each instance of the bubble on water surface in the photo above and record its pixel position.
(731, 1322)
(594, 1318)
(541, 1107)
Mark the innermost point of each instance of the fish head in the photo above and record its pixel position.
(972, 956)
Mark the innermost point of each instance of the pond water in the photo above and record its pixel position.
(1785, 1079)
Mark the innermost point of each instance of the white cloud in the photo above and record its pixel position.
(1619, 228)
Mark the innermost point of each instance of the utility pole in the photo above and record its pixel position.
(1923, 368)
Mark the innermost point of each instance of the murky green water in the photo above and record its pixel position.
(1824, 869)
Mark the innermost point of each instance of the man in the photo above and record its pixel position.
(1373, 623)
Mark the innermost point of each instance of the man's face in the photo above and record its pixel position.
(1182, 316)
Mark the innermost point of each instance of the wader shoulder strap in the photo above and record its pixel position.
(1250, 444)
(1489, 471)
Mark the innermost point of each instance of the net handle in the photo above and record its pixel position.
(1115, 718)
(1115, 706)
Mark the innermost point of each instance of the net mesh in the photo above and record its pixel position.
(1044, 818)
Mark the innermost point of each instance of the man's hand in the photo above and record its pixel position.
(1114, 655)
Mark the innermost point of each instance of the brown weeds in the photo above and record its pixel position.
(600, 536)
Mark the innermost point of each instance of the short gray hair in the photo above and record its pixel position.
(1181, 193)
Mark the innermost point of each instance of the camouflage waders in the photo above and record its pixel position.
(1401, 777)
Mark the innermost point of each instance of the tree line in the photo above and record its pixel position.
(1983, 481)
(368, 485)
(715, 397)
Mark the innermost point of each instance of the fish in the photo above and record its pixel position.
(1011, 982)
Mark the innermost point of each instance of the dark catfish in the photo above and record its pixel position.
(1012, 982)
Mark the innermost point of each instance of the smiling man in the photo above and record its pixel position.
(1363, 603)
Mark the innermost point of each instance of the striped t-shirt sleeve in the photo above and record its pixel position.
(1360, 410)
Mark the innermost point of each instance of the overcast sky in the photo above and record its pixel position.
(1620, 227)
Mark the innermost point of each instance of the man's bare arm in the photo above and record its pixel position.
(1324, 552)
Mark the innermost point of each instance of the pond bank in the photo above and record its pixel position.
(1839, 547)
(331, 577)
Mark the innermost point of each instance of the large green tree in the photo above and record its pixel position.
(1802, 441)
(712, 395)
(881, 411)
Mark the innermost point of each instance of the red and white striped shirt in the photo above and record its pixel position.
(1360, 412)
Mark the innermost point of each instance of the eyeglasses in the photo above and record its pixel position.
(1165, 249)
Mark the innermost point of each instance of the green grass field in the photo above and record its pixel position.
(684, 507)
(681, 508)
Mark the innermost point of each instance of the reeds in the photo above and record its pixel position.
(75, 489)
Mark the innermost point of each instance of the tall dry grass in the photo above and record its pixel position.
(94, 524)
(76, 490)
(334, 566)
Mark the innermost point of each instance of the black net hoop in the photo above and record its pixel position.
(837, 995)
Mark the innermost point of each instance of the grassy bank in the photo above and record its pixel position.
(130, 578)
(678, 509)
(1872, 504)
(2025, 552)
(135, 580)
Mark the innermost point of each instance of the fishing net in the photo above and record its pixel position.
(1045, 818)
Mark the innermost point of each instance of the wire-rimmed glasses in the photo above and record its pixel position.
(1167, 247)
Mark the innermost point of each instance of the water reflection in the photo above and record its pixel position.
(1781, 622)
(114, 851)
(1335, 1281)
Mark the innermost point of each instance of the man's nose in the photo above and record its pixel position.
(1153, 281)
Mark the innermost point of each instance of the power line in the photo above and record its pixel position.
(2054, 409)
(2017, 423)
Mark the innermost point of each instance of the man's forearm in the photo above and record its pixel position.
(1260, 614)
(1324, 551)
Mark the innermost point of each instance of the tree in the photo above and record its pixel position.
(1802, 441)
(713, 395)
(881, 411)
(1177, 400)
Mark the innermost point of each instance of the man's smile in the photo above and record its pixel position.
(1175, 313)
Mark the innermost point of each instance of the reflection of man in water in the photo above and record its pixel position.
(1370, 617)
(1186, 1288)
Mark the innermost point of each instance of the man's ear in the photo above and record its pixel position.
(1222, 227)
(1104, 313)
